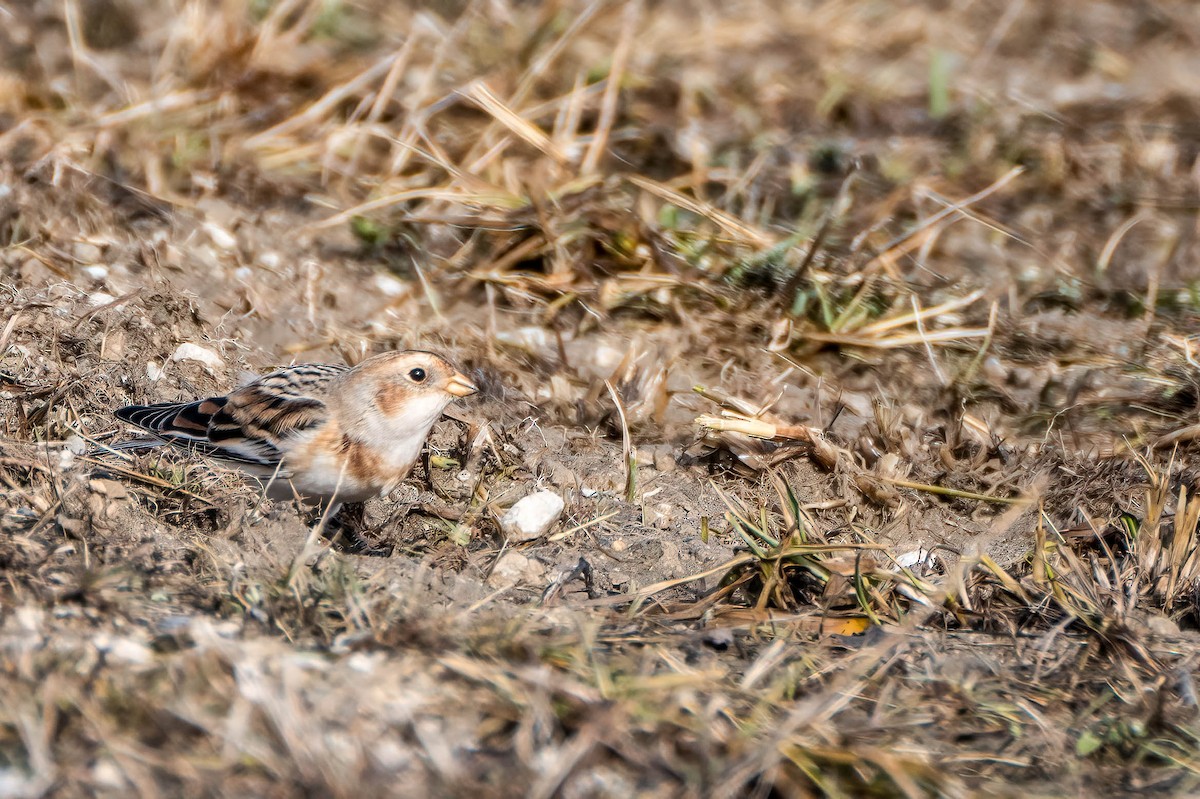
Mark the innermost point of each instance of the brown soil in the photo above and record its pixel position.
(764, 220)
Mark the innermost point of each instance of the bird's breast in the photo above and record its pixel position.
(330, 463)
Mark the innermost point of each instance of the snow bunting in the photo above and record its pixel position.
(324, 433)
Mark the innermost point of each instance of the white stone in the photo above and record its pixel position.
(87, 252)
(919, 558)
(390, 755)
(99, 298)
(120, 649)
(220, 236)
(532, 339)
(909, 559)
(66, 458)
(96, 271)
(75, 447)
(364, 662)
(595, 360)
(515, 569)
(532, 516)
(153, 371)
(108, 774)
(194, 352)
(389, 286)
(1158, 624)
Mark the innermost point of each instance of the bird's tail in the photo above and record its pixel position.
(118, 448)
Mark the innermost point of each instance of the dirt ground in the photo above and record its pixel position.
(857, 338)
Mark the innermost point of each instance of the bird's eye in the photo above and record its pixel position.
(417, 375)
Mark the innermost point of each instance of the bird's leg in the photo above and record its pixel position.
(427, 469)
(345, 529)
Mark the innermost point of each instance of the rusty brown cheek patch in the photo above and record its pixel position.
(390, 399)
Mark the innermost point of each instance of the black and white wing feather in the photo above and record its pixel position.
(250, 424)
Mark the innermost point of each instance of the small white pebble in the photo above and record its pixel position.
(390, 286)
(391, 756)
(123, 650)
(194, 352)
(88, 252)
(108, 774)
(29, 620)
(514, 569)
(911, 558)
(532, 516)
(533, 339)
(66, 458)
(270, 260)
(1029, 273)
(153, 371)
(204, 181)
(96, 299)
(96, 271)
(243, 273)
(607, 358)
(220, 236)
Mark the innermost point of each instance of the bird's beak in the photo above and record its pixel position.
(460, 386)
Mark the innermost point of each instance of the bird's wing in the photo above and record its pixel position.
(250, 424)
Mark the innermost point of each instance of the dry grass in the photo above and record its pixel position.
(858, 337)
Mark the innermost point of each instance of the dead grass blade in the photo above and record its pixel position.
(482, 96)
(612, 89)
(904, 242)
(739, 231)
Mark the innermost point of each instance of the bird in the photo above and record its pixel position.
(327, 434)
